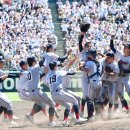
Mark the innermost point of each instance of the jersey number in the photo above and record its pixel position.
(53, 79)
(29, 76)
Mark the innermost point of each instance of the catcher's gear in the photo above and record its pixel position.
(108, 69)
(84, 27)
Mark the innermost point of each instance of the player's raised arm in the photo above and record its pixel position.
(84, 28)
(80, 42)
(72, 61)
(112, 44)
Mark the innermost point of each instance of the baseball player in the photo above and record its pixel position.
(5, 103)
(83, 52)
(93, 68)
(123, 59)
(66, 82)
(54, 79)
(35, 91)
(24, 94)
(52, 56)
(109, 77)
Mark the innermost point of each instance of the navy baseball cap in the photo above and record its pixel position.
(127, 45)
(110, 54)
(1, 59)
(52, 65)
(92, 52)
(22, 62)
(31, 59)
(48, 46)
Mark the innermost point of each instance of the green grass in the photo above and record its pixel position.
(13, 96)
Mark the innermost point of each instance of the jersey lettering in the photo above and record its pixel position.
(53, 79)
(29, 76)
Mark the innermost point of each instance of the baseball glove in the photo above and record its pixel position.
(84, 27)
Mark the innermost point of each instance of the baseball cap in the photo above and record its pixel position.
(52, 65)
(92, 52)
(48, 46)
(127, 45)
(22, 62)
(110, 54)
(1, 59)
(30, 60)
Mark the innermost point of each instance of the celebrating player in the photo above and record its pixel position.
(54, 79)
(123, 59)
(35, 91)
(24, 93)
(5, 103)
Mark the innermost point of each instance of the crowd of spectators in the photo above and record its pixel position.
(26, 27)
(106, 17)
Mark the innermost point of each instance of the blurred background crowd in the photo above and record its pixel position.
(106, 17)
(26, 26)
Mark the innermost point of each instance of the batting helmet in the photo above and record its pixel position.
(30, 60)
(52, 65)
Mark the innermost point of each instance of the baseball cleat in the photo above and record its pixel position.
(13, 123)
(30, 118)
(123, 109)
(81, 114)
(66, 123)
(128, 111)
(91, 118)
(15, 118)
(81, 120)
(72, 115)
(51, 123)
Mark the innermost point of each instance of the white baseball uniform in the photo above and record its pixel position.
(109, 81)
(22, 86)
(34, 89)
(66, 83)
(94, 87)
(123, 80)
(84, 77)
(54, 79)
(49, 57)
(4, 100)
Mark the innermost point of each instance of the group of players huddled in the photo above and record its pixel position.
(104, 78)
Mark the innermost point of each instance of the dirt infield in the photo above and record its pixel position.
(120, 121)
